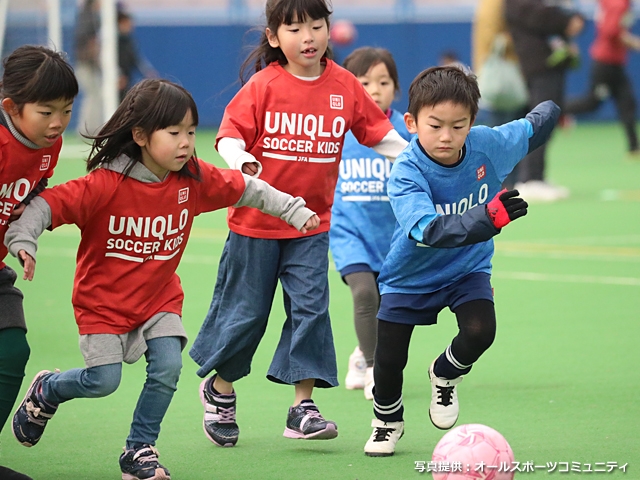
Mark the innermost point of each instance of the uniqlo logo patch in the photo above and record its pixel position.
(336, 102)
(46, 160)
(183, 195)
(481, 172)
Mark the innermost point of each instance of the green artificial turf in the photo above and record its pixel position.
(560, 382)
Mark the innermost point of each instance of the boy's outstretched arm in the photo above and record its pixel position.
(22, 236)
(476, 225)
(259, 194)
(543, 118)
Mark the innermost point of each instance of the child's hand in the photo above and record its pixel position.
(312, 224)
(29, 265)
(505, 207)
(250, 168)
(17, 212)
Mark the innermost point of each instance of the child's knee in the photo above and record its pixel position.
(14, 351)
(168, 371)
(103, 380)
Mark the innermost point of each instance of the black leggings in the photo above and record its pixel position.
(366, 300)
(477, 329)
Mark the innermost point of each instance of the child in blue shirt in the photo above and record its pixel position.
(445, 192)
(362, 221)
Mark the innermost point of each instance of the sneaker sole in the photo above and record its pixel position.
(439, 427)
(36, 377)
(383, 454)
(159, 475)
(204, 428)
(331, 431)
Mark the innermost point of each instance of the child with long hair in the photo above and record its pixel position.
(135, 210)
(362, 221)
(37, 92)
(287, 124)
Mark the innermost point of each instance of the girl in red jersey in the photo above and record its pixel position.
(37, 93)
(287, 124)
(135, 210)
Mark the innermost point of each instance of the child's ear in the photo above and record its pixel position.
(410, 122)
(139, 136)
(272, 38)
(10, 107)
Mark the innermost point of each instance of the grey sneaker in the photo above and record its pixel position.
(142, 464)
(305, 422)
(219, 421)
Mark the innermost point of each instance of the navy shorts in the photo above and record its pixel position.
(423, 309)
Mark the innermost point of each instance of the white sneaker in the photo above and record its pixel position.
(444, 408)
(382, 442)
(368, 384)
(357, 371)
(539, 191)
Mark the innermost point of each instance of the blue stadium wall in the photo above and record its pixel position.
(206, 59)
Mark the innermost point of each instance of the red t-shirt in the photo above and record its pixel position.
(612, 18)
(21, 169)
(296, 129)
(133, 237)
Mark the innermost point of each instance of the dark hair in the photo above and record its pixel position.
(437, 85)
(362, 59)
(35, 74)
(283, 12)
(152, 104)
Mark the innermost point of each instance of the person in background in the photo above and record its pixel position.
(362, 221)
(87, 68)
(531, 24)
(38, 89)
(130, 61)
(608, 77)
(489, 23)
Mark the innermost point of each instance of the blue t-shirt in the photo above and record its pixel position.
(419, 187)
(362, 221)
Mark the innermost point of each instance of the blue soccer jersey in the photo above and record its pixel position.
(362, 221)
(421, 189)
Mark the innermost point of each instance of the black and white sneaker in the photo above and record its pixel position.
(444, 408)
(32, 415)
(305, 422)
(219, 421)
(142, 464)
(382, 442)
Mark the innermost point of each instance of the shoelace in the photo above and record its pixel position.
(227, 415)
(445, 394)
(382, 434)
(36, 415)
(146, 455)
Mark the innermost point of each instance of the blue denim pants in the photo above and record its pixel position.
(248, 275)
(164, 362)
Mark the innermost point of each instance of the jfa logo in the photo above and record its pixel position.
(183, 195)
(481, 172)
(336, 102)
(46, 160)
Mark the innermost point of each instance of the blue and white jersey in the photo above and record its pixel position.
(420, 188)
(362, 220)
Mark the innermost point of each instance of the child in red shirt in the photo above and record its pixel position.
(37, 92)
(287, 124)
(135, 210)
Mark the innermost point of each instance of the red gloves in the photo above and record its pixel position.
(505, 207)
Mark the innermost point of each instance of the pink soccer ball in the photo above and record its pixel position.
(343, 32)
(472, 452)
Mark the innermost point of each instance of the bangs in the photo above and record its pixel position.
(170, 107)
(288, 12)
(51, 81)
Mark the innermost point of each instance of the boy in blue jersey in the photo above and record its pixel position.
(445, 193)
